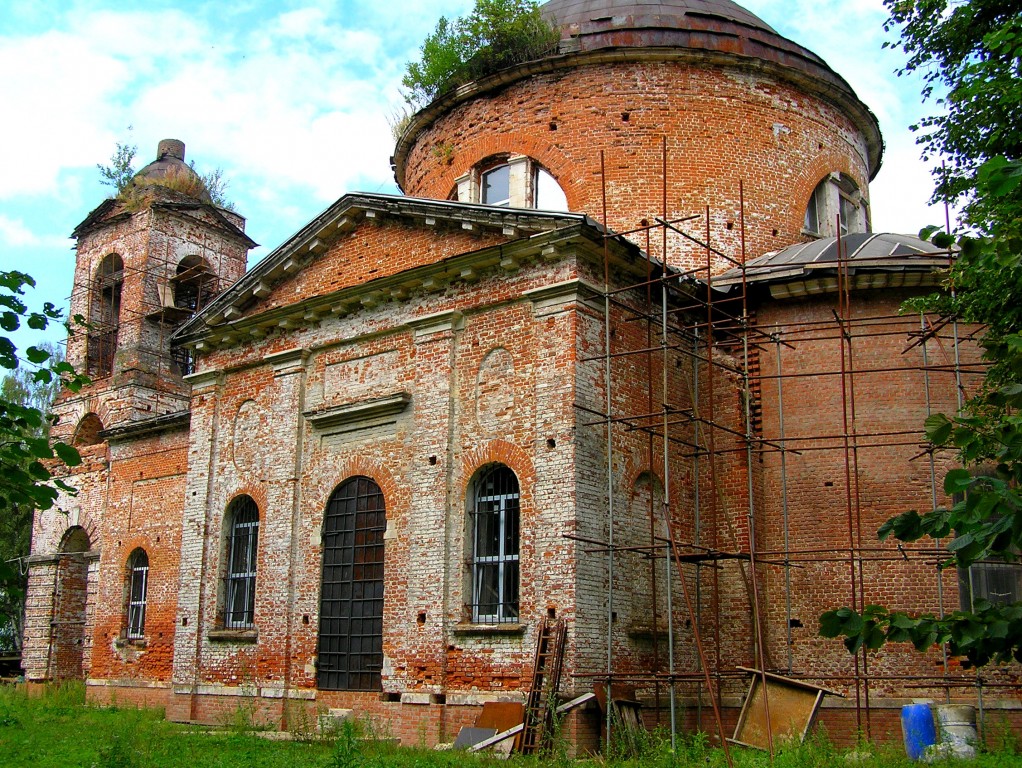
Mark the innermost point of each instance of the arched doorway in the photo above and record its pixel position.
(67, 632)
(350, 655)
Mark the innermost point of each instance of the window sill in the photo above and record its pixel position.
(467, 628)
(131, 642)
(233, 635)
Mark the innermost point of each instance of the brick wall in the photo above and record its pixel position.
(723, 126)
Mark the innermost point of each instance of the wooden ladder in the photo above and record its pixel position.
(546, 679)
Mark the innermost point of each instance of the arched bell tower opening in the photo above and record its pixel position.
(146, 261)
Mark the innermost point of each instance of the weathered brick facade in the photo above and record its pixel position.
(411, 345)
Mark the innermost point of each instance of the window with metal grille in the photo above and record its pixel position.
(138, 588)
(996, 580)
(243, 539)
(350, 655)
(495, 547)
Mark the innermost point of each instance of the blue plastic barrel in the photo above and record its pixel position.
(918, 729)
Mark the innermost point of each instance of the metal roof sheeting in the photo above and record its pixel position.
(860, 251)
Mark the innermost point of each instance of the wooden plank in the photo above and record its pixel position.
(501, 715)
(567, 706)
(498, 738)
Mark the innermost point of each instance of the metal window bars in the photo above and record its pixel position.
(239, 609)
(495, 523)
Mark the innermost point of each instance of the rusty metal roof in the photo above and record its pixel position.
(678, 14)
(713, 26)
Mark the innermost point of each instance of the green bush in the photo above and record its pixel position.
(497, 34)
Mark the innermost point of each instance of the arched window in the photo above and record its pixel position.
(240, 578)
(516, 181)
(494, 535)
(836, 206)
(547, 193)
(350, 656)
(87, 431)
(138, 589)
(194, 284)
(104, 315)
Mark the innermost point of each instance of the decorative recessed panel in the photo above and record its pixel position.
(495, 391)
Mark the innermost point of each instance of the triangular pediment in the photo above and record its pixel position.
(365, 249)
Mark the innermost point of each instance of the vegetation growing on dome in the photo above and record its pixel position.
(121, 175)
(497, 34)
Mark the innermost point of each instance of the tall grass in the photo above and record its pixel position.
(59, 729)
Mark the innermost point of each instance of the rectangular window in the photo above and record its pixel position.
(496, 186)
(849, 215)
(239, 608)
(995, 581)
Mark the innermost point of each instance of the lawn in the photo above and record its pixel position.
(58, 730)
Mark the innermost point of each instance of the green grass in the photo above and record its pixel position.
(58, 729)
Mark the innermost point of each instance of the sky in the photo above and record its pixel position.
(293, 99)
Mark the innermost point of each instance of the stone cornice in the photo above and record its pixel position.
(155, 425)
(362, 410)
(578, 240)
(288, 361)
(343, 216)
(440, 322)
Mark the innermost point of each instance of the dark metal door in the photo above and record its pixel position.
(351, 593)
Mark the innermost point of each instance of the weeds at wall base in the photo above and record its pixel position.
(57, 729)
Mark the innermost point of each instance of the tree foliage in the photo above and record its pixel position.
(973, 49)
(495, 35)
(27, 454)
(121, 170)
(968, 54)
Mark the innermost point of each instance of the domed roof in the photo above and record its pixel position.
(707, 33)
(635, 14)
(710, 27)
(170, 165)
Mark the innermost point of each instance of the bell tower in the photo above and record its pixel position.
(146, 261)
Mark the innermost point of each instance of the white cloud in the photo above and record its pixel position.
(16, 234)
(293, 99)
(849, 36)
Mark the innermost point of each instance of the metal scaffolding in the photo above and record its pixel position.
(687, 324)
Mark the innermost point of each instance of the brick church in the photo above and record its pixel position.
(625, 356)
